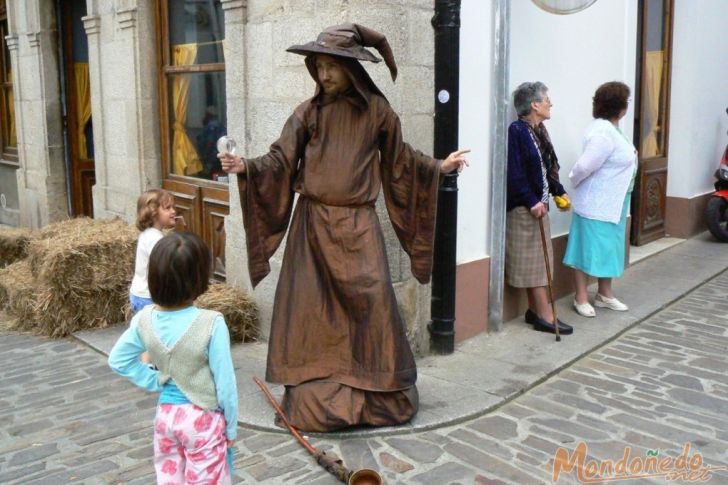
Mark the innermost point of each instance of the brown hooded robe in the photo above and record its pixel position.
(337, 340)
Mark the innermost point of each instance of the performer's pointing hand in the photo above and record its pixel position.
(455, 160)
(231, 163)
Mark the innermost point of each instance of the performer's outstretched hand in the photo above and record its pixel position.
(231, 163)
(455, 160)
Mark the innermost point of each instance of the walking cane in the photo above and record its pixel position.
(548, 276)
(330, 462)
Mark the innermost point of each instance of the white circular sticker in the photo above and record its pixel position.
(443, 96)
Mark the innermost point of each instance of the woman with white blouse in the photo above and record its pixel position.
(603, 179)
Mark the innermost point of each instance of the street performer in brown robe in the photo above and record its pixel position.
(337, 341)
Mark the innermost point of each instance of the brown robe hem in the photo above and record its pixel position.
(324, 406)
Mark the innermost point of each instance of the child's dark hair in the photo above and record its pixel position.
(148, 206)
(179, 269)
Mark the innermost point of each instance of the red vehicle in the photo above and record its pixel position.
(715, 212)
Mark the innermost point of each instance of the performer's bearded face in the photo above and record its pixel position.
(331, 75)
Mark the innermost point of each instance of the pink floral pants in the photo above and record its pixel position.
(190, 446)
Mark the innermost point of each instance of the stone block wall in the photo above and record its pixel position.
(263, 85)
(41, 178)
(123, 72)
(124, 100)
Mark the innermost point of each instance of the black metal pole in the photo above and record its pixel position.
(446, 23)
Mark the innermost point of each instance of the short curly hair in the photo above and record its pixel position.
(610, 99)
(527, 93)
(148, 206)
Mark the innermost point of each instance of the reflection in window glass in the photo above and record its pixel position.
(195, 87)
(197, 23)
(10, 136)
(81, 82)
(197, 120)
(654, 80)
(7, 106)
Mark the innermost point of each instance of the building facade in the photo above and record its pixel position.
(118, 96)
(665, 50)
(103, 99)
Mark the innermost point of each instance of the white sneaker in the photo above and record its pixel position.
(584, 309)
(611, 303)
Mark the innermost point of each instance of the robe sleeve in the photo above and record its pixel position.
(266, 195)
(410, 181)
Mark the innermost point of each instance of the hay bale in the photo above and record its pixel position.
(14, 244)
(83, 256)
(59, 313)
(76, 277)
(238, 308)
(19, 294)
(74, 225)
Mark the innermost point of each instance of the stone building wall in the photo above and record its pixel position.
(124, 101)
(122, 62)
(263, 85)
(41, 178)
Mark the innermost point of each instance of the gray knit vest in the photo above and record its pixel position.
(186, 362)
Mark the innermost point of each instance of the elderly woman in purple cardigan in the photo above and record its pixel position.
(533, 174)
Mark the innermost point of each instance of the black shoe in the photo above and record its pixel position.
(531, 317)
(543, 326)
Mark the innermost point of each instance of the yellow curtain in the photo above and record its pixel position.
(12, 134)
(653, 78)
(185, 160)
(83, 105)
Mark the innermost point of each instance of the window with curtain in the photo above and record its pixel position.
(654, 80)
(192, 87)
(7, 104)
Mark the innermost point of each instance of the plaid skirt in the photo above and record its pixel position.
(525, 267)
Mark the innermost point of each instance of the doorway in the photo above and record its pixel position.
(652, 95)
(77, 120)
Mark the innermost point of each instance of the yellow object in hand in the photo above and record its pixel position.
(561, 202)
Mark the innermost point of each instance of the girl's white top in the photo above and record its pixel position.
(147, 239)
(602, 175)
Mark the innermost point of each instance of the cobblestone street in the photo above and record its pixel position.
(663, 384)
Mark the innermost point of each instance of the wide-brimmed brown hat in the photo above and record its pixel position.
(350, 40)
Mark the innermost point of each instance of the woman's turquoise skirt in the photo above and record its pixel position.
(597, 247)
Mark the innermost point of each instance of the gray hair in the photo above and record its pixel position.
(528, 93)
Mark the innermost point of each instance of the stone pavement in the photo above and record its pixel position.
(658, 382)
(488, 370)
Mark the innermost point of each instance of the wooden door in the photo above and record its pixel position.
(202, 210)
(193, 117)
(77, 116)
(652, 120)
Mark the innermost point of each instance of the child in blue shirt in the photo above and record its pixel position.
(196, 419)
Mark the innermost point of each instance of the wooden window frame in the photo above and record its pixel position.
(665, 84)
(8, 154)
(165, 69)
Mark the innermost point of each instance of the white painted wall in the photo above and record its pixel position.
(476, 65)
(699, 96)
(573, 55)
